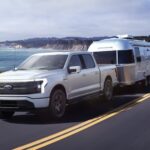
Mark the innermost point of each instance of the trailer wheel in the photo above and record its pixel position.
(148, 81)
(6, 114)
(108, 89)
(57, 103)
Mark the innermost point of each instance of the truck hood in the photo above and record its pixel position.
(27, 74)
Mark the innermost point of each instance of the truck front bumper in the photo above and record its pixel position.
(22, 103)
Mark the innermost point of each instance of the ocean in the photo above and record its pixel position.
(11, 58)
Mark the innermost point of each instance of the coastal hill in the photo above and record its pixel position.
(67, 43)
(72, 43)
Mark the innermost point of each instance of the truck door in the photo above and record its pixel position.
(75, 80)
(83, 82)
(91, 74)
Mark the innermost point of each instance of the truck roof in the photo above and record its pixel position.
(116, 44)
(62, 53)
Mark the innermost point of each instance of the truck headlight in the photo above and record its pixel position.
(41, 84)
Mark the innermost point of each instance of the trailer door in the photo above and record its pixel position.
(140, 63)
(147, 59)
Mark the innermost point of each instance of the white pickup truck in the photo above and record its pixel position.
(52, 80)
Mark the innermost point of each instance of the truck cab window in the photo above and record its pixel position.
(88, 61)
(105, 57)
(125, 57)
(75, 61)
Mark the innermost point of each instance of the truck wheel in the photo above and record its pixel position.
(57, 103)
(6, 114)
(108, 89)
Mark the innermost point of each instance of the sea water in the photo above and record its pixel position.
(11, 58)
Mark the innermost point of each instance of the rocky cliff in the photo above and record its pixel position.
(67, 43)
(71, 43)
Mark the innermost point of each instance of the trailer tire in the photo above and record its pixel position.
(57, 105)
(148, 81)
(108, 89)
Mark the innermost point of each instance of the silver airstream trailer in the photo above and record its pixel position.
(132, 58)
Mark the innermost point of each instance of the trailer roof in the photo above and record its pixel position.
(116, 44)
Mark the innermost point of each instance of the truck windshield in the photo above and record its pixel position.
(125, 57)
(45, 62)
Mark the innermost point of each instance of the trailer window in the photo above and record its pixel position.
(108, 57)
(125, 57)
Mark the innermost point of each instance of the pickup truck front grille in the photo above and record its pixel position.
(20, 88)
(8, 103)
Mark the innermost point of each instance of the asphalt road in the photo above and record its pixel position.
(123, 129)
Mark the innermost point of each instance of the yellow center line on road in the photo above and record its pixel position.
(80, 127)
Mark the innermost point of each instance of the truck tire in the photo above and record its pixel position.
(6, 114)
(108, 89)
(57, 105)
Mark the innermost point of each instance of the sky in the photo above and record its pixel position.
(22, 19)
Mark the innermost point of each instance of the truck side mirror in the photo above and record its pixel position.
(74, 69)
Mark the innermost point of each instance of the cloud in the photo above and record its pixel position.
(45, 18)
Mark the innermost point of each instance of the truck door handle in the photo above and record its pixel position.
(84, 75)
